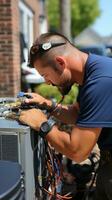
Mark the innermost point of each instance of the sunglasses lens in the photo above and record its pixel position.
(34, 49)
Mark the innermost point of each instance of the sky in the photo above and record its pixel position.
(103, 24)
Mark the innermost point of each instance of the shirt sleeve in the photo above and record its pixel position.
(96, 103)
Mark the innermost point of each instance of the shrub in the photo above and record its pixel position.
(49, 91)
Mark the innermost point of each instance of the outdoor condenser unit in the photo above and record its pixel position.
(15, 145)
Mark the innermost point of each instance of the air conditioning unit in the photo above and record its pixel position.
(15, 145)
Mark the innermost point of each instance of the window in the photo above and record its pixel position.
(26, 23)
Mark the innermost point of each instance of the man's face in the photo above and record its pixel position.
(59, 78)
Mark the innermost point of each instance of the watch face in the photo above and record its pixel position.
(45, 127)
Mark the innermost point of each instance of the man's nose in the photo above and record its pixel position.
(48, 82)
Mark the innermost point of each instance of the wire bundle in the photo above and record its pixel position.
(51, 179)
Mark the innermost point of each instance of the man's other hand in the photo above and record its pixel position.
(33, 117)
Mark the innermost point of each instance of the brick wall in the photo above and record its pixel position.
(9, 48)
(10, 45)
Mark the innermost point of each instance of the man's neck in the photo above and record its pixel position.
(77, 67)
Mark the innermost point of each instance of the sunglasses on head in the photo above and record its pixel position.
(44, 47)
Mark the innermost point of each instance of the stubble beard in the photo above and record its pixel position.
(65, 88)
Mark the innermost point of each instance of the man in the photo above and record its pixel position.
(62, 65)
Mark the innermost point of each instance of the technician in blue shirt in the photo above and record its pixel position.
(62, 65)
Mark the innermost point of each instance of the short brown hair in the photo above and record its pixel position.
(37, 51)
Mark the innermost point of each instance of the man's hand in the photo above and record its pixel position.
(33, 117)
(38, 99)
(35, 98)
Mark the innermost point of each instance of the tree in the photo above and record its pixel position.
(65, 18)
(83, 14)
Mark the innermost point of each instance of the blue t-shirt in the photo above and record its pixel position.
(95, 97)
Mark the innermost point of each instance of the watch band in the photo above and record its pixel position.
(53, 106)
(48, 124)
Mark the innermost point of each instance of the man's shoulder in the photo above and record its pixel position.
(98, 66)
(99, 58)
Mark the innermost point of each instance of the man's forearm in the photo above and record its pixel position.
(61, 141)
(66, 114)
(77, 145)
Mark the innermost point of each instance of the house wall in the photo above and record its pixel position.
(10, 70)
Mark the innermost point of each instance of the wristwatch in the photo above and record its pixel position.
(46, 127)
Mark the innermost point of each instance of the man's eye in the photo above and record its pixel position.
(42, 75)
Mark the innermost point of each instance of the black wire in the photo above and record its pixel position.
(86, 194)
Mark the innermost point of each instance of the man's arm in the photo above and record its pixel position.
(76, 146)
(66, 114)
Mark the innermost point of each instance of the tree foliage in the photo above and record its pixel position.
(83, 14)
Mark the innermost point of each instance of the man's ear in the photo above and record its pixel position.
(61, 61)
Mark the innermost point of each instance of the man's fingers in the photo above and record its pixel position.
(32, 100)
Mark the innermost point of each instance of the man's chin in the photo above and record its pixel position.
(65, 90)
